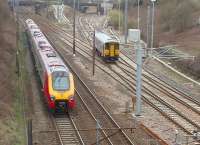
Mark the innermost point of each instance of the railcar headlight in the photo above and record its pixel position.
(71, 98)
(52, 98)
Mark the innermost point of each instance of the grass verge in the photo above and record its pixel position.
(22, 77)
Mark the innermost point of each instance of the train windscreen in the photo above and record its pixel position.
(60, 81)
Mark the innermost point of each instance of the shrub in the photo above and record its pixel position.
(176, 15)
(114, 18)
(132, 23)
(182, 18)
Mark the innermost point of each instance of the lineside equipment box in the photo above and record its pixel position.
(134, 35)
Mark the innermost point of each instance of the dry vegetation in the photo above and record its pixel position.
(8, 124)
(180, 17)
(176, 15)
(114, 18)
(176, 23)
(7, 55)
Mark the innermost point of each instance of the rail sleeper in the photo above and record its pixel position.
(66, 132)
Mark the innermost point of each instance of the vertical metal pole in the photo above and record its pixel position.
(98, 7)
(58, 13)
(125, 24)
(30, 142)
(74, 23)
(104, 9)
(17, 36)
(78, 5)
(97, 133)
(138, 14)
(148, 22)
(94, 53)
(47, 8)
(119, 15)
(152, 31)
(17, 25)
(138, 80)
(13, 6)
(14, 10)
(176, 137)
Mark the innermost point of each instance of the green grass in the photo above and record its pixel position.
(13, 125)
(19, 121)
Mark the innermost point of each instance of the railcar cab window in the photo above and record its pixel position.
(60, 81)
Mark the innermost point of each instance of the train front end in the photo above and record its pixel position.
(61, 91)
(111, 51)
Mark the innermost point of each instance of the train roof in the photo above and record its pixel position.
(50, 57)
(104, 37)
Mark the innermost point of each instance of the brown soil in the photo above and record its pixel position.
(7, 68)
(7, 55)
(186, 41)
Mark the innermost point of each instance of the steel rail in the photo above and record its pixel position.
(93, 116)
(94, 96)
(184, 128)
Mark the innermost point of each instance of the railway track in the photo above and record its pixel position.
(171, 115)
(167, 113)
(65, 125)
(86, 32)
(94, 107)
(65, 128)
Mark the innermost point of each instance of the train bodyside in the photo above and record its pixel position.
(57, 80)
(106, 47)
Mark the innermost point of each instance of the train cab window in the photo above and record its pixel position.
(60, 81)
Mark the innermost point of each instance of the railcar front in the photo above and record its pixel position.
(106, 47)
(59, 89)
(111, 51)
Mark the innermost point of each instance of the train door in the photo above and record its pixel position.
(106, 50)
(112, 49)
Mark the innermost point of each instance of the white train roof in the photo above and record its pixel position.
(50, 57)
(104, 38)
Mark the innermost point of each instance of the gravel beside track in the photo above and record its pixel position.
(65, 128)
(158, 102)
(96, 108)
(165, 105)
(41, 121)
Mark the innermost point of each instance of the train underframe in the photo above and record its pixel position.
(107, 58)
(61, 105)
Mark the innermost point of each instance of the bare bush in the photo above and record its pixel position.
(176, 15)
(132, 23)
(167, 10)
(4, 14)
(114, 18)
(182, 18)
(190, 66)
